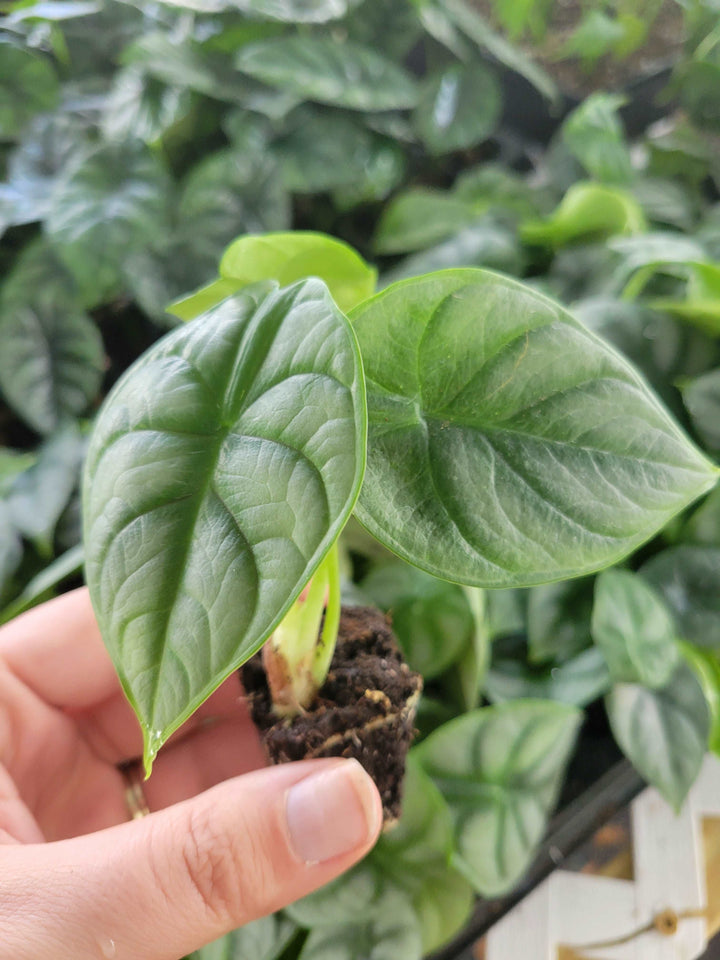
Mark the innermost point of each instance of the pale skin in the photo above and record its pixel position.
(227, 840)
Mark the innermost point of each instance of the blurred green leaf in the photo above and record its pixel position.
(42, 586)
(459, 106)
(594, 135)
(663, 732)
(142, 107)
(51, 364)
(702, 399)
(558, 619)
(634, 629)
(578, 679)
(706, 664)
(500, 769)
(688, 577)
(105, 206)
(587, 210)
(320, 69)
(430, 617)
(28, 85)
(263, 939)
(419, 218)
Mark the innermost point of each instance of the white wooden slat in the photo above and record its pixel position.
(576, 910)
(667, 855)
(585, 909)
(705, 794)
(523, 934)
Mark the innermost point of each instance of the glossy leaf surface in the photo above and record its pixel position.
(663, 732)
(634, 629)
(316, 68)
(500, 769)
(507, 444)
(220, 471)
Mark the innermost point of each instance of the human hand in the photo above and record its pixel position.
(228, 839)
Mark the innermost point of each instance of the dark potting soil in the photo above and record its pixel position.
(365, 709)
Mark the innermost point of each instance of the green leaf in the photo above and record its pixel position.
(205, 458)
(142, 107)
(28, 85)
(594, 135)
(688, 577)
(469, 21)
(49, 142)
(486, 243)
(706, 664)
(325, 150)
(702, 399)
(11, 550)
(703, 527)
(182, 63)
(108, 204)
(597, 36)
(296, 11)
(559, 620)
(226, 194)
(52, 360)
(13, 463)
(459, 106)
(202, 299)
(346, 900)
(320, 69)
(579, 680)
(663, 732)
(287, 257)
(587, 210)
(421, 217)
(416, 855)
(430, 617)
(42, 586)
(634, 630)
(507, 444)
(471, 669)
(391, 932)
(263, 939)
(500, 769)
(649, 253)
(40, 494)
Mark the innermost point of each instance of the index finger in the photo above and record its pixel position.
(57, 651)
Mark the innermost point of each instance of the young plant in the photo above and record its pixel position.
(476, 428)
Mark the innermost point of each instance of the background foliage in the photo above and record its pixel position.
(139, 138)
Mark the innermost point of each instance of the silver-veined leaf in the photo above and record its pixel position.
(220, 471)
(507, 444)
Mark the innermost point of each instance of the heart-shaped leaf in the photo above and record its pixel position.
(663, 732)
(420, 217)
(220, 471)
(51, 362)
(107, 204)
(320, 69)
(500, 769)
(507, 444)
(634, 630)
(390, 932)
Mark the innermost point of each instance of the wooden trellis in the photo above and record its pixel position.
(665, 908)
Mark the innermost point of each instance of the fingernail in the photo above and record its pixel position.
(332, 812)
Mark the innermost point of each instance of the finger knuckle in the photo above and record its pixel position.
(210, 868)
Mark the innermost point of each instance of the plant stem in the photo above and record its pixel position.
(297, 656)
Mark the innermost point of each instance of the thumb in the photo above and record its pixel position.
(161, 887)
